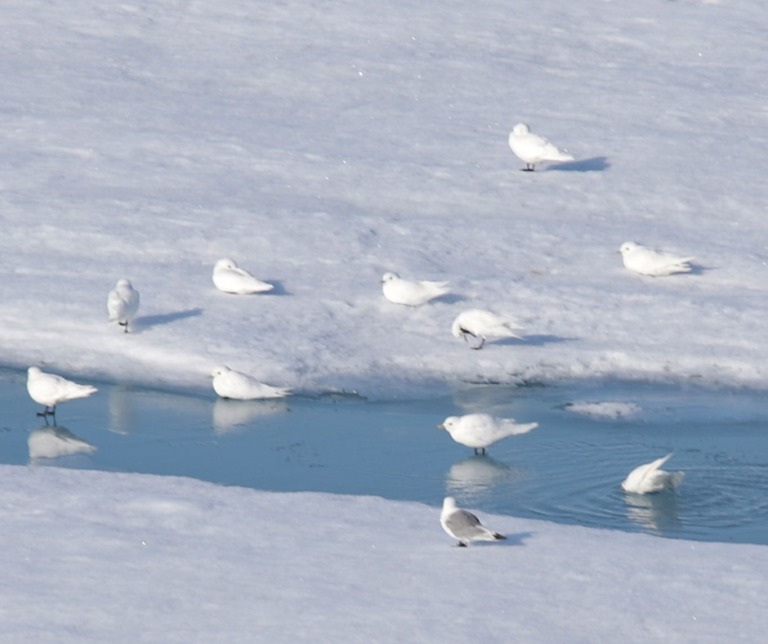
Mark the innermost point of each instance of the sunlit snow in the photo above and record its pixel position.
(322, 145)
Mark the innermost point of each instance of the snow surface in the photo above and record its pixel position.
(320, 145)
(323, 144)
(90, 556)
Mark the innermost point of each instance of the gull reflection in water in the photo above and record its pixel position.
(657, 512)
(233, 415)
(478, 474)
(52, 442)
(122, 410)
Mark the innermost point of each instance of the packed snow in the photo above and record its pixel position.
(322, 145)
(96, 557)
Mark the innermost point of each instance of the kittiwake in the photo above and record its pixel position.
(463, 525)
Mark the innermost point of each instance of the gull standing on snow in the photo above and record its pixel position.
(650, 478)
(479, 431)
(230, 278)
(49, 390)
(229, 383)
(483, 324)
(533, 148)
(123, 303)
(411, 292)
(463, 525)
(647, 261)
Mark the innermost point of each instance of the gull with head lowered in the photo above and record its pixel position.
(479, 431)
(123, 303)
(483, 324)
(650, 478)
(230, 278)
(464, 526)
(655, 263)
(229, 383)
(411, 292)
(532, 148)
(49, 390)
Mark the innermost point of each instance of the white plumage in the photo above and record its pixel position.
(650, 478)
(646, 261)
(49, 390)
(229, 383)
(533, 148)
(230, 278)
(411, 292)
(464, 526)
(479, 431)
(483, 324)
(123, 303)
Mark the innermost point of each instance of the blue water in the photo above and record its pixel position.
(568, 470)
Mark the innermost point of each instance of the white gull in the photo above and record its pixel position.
(229, 383)
(647, 261)
(483, 324)
(650, 478)
(230, 278)
(123, 303)
(479, 431)
(411, 292)
(533, 148)
(49, 390)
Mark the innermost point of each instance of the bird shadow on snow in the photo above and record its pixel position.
(595, 164)
(698, 269)
(277, 288)
(516, 539)
(165, 318)
(535, 340)
(451, 298)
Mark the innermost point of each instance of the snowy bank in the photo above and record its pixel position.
(97, 557)
(322, 145)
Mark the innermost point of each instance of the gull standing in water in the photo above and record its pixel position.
(49, 390)
(463, 525)
(479, 431)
